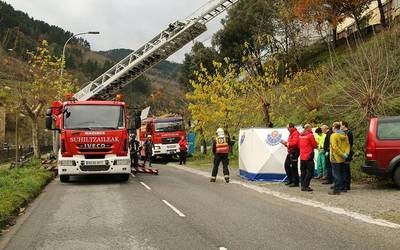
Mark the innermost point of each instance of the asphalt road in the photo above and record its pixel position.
(181, 210)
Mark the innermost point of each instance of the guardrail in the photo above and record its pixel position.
(8, 154)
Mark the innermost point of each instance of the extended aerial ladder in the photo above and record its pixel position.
(162, 46)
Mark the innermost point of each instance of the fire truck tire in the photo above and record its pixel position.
(124, 177)
(64, 178)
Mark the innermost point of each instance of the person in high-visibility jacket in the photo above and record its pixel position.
(320, 138)
(221, 147)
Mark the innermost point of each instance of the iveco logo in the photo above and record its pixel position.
(94, 145)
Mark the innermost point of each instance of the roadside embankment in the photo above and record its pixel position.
(19, 186)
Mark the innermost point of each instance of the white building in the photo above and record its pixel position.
(371, 17)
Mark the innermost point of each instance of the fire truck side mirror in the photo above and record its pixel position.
(49, 119)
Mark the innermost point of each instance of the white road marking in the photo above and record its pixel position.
(222, 248)
(134, 176)
(144, 185)
(174, 208)
(306, 202)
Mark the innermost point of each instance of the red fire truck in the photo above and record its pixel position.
(94, 138)
(165, 132)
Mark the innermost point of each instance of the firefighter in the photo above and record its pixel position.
(221, 148)
(135, 148)
(148, 150)
(183, 147)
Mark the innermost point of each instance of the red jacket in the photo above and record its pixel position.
(293, 140)
(307, 145)
(183, 145)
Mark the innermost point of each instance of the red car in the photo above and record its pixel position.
(382, 149)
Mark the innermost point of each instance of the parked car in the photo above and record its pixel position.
(382, 149)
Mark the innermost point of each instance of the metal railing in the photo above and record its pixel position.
(8, 154)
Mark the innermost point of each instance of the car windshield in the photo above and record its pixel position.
(93, 117)
(169, 126)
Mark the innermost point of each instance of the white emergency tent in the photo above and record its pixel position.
(261, 155)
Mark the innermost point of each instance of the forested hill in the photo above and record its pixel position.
(20, 32)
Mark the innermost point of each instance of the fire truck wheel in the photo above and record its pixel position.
(124, 177)
(64, 178)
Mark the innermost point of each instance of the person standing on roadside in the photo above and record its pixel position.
(148, 146)
(328, 166)
(135, 148)
(183, 147)
(320, 137)
(347, 169)
(292, 158)
(340, 150)
(221, 148)
(307, 146)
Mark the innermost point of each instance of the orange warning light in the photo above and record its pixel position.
(119, 98)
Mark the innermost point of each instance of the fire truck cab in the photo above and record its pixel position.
(166, 133)
(93, 138)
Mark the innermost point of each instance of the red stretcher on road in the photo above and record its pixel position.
(141, 169)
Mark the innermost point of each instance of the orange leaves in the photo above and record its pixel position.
(309, 10)
(319, 11)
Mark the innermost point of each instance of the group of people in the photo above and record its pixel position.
(334, 146)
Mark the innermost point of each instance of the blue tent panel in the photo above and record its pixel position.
(262, 177)
(191, 138)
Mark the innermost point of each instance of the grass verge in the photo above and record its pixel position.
(18, 187)
(205, 162)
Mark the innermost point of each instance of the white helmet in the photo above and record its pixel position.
(220, 132)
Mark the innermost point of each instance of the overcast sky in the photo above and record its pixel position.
(122, 23)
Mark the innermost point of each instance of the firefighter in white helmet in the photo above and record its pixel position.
(221, 149)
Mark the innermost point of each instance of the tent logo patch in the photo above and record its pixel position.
(274, 138)
(242, 138)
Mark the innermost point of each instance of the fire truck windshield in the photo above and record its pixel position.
(93, 117)
(169, 126)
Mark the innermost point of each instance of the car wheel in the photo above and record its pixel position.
(396, 177)
(124, 177)
(64, 178)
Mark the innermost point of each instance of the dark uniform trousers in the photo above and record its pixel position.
(182, 156)
(225, 162)
(291, 168)
(307, 171)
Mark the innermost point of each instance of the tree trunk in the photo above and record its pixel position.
(382, 13)
(357, 19)
(334, 37)
(35, 138)
(267, 117)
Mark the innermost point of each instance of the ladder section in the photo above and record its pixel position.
(212, 10)
(162, 46)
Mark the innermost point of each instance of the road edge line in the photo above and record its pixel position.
(307, 202)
